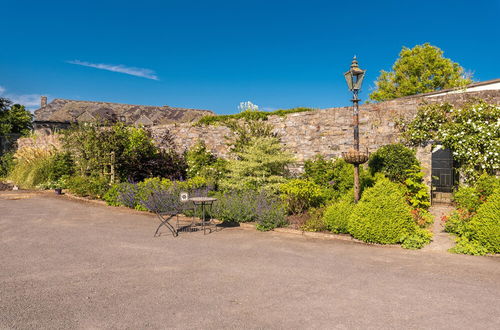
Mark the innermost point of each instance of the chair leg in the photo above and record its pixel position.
(165, 222)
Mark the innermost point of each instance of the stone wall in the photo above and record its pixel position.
(40, 140)
(329, 131)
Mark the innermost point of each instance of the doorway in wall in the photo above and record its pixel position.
(443, 172)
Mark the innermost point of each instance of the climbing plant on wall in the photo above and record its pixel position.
(471, 132)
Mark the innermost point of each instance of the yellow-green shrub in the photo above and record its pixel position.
(481, 234)
(299, 195)
(336, 216)
(382, 215)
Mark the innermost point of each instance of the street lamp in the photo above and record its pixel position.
(354, 78)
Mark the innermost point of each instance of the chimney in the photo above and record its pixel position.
(43, 101)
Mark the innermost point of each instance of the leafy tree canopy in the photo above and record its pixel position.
(421, 69)
(14, 118)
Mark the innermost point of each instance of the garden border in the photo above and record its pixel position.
(249, 225)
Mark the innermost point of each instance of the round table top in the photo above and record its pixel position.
(202, 199)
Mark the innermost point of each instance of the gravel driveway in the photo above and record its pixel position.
(71, 264)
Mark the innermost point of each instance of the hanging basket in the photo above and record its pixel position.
(355, 157)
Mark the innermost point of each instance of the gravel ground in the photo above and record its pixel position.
(69, 264)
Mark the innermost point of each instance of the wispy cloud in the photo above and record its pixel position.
(30, 101)
(133, 71)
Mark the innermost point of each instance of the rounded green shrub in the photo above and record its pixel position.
(336, 216)
(382, 215)
(299, 195)
(86, 186)
(485, 225)
(393, 160)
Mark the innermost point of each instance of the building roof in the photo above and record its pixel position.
(493, 84)
(62, 110)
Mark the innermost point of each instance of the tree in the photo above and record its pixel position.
(261, 163)
(418, 70)
(136, 156)
(14, 118)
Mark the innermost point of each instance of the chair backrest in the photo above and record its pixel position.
(184, 196)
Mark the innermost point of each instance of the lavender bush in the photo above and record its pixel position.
(127, 194)
(244, 206)
(162, 199)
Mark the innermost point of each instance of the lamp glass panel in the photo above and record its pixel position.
(349, 79)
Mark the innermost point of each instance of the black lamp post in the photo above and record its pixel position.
(354, 78)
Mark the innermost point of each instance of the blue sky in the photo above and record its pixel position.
(215, 54)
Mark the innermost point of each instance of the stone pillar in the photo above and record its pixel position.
(424, 156)
(43, 101)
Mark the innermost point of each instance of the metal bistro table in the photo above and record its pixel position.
(204, 202)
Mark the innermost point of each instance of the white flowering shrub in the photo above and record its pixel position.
(471, 132)
(247, 106)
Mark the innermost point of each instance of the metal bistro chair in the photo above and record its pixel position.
(186, 205)
(165, 216)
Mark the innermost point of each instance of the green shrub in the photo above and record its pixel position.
(315, 222)
(124, 193)
(478, 233)
(194, 183)
(484, 227)
(85, 186)
(465, 246)
(467, 198)
(261, 163)
(422, 217)
(319, 170)
(393, 160)
(198, 158)
(456, 221)
(382, 215)
(336, 216)
(417, 191)
(417, 239)
(6, 163)
(336, 175)
(111, 196)
(61, 164)
(299, 195)
(486, 185)
(471, 197)
(136, 157)
(202, 163)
